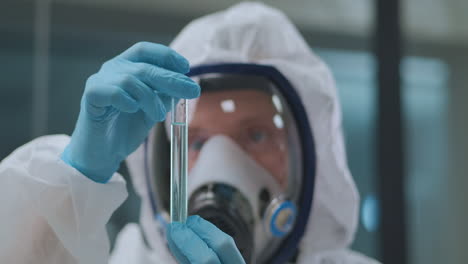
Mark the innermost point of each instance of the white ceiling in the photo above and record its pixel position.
(439, 21)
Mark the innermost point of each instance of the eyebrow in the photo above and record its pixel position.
(193, 129)
(255, 120)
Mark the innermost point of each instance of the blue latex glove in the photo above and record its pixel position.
(199, 241)
(121, 103)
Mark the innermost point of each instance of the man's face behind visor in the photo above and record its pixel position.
(251, 119)
(244, 161)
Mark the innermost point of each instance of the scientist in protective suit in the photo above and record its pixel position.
(268, 179)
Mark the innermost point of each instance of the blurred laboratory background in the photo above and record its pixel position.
(401, 69)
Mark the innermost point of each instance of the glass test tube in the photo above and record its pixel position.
(179, 161)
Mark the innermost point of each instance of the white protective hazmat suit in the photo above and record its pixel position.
(51, 213)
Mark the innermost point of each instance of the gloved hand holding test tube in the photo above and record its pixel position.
(179, 160)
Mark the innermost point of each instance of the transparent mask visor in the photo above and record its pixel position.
(250, 111)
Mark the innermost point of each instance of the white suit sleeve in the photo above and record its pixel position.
(50, 212)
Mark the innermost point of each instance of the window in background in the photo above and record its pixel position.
(425, 106)
(16, 35)
(435, 101)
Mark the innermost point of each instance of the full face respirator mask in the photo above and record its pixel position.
(245, 163)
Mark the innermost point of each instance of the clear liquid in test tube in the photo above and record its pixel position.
(179, 161)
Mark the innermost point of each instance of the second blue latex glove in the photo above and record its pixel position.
(121, 103)
(199, 241)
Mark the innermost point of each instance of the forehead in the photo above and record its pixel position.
(233, 105)
(235, 100)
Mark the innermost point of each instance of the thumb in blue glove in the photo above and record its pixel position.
(199, 241)
(121, 103)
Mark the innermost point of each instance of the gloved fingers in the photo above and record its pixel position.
(146, 97)
(162, 108)
(220, 242)
(99, 97)
(187, 247)
(158, 55)
(164, 81)
(167, 101)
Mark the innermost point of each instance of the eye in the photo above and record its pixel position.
(197, 144)
(258, 136)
